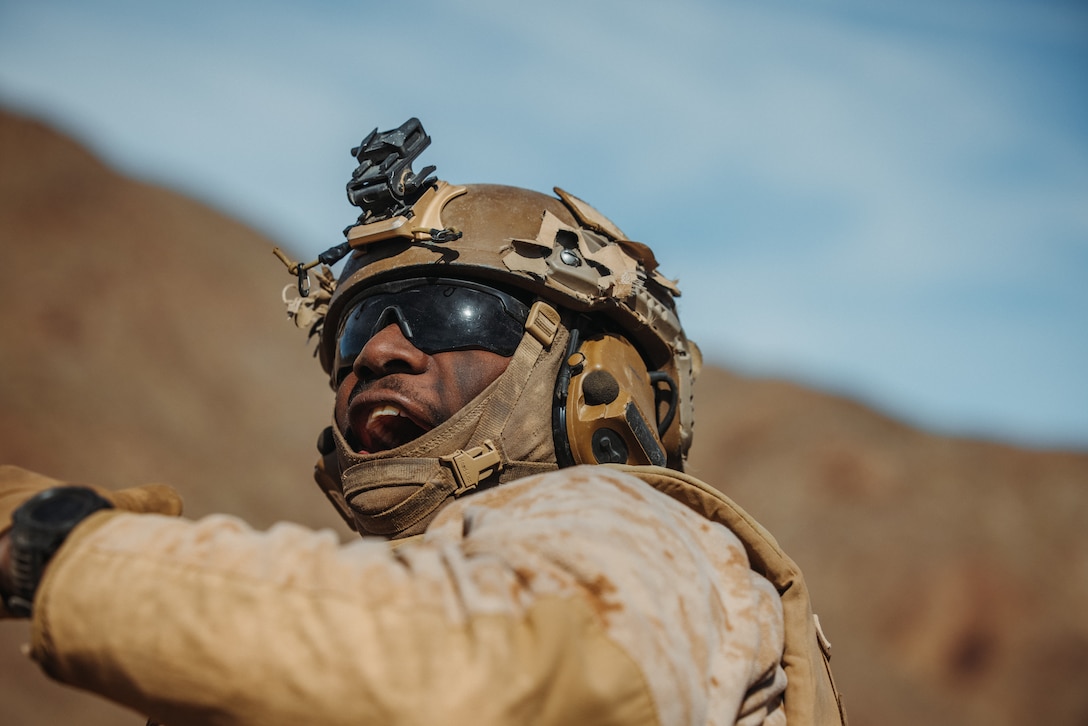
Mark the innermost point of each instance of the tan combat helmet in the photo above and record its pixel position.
(618, 385)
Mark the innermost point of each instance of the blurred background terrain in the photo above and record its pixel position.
(144, 340)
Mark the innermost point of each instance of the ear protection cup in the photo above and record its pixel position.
(607, 405)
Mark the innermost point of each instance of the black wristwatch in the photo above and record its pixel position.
(38, 528)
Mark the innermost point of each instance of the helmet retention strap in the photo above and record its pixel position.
(462, 471)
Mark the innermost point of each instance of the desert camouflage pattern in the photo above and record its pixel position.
(583, 595)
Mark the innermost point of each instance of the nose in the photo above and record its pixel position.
(388, 352)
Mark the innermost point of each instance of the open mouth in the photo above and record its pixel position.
(386, 427)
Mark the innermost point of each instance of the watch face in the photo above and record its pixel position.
(61, 507)
(58, 510)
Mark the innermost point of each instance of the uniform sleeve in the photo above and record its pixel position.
(581, 596)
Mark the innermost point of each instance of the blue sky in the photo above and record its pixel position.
(884, 199)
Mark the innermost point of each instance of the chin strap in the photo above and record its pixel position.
(451, 475)
(440, 482)
(327, 476)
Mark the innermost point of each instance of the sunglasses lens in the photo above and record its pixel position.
(436, 317)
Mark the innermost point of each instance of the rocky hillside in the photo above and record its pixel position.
(144, 340)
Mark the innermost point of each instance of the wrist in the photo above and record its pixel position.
(39, 527)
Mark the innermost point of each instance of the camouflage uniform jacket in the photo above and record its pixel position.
(585, 595)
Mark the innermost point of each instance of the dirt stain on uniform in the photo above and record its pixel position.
(599, 591)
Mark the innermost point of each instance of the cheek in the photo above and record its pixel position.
(470, 375)
(343, 396)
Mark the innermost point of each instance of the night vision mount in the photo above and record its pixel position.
(383, 185)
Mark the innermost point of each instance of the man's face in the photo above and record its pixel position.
(395, 392)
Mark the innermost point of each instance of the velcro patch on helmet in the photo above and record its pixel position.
(577, 261)
(623, 271)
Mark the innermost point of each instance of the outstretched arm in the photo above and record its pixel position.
(581, 596)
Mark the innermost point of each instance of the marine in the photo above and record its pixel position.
(513, 410)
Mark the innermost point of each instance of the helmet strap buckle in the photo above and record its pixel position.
(542, 323)
(471, 466)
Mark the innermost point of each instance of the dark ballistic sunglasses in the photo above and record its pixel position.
(435, 315)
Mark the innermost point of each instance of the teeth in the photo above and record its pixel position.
(384, 411)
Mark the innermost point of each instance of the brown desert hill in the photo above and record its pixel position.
(144, 340)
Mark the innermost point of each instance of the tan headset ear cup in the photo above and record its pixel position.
(611, 407)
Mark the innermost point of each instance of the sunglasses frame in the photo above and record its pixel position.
(515, 308)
